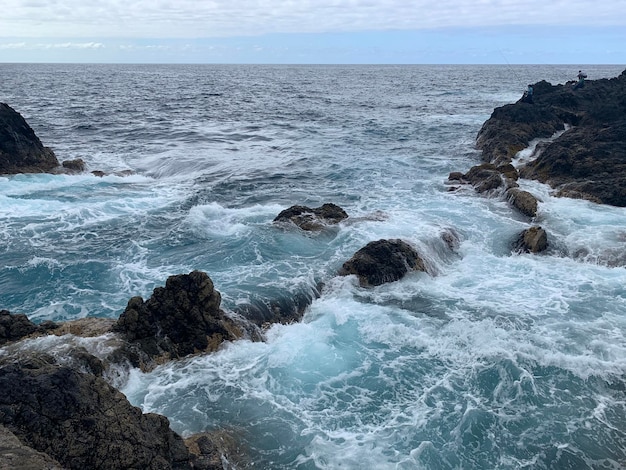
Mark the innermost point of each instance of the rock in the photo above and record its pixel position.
(523, 201)
(589, 159)
(21, 151)
(383, 261)
(215, 451)
(81, 421)
(84, 327)
(182, 318)
(484, 177)
(15, 326)
(456, 176)
(74, 166)
(312, 219)
(532, 240)
(16, 456)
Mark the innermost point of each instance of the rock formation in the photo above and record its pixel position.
(21, 151)
(588, 160)
(383, 261)
(61, 413)
(182, 318)
(81, 421)
(312, 219)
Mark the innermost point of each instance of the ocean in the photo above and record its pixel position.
(493, 360)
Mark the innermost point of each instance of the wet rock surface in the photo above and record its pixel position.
(312, 219)
(81, 421)
(21, 151)
(589, 159)
(383, 261)
(531, 240)
(182, 318)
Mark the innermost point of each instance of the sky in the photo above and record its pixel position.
(314, 31)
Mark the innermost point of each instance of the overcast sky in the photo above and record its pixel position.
(314, 31)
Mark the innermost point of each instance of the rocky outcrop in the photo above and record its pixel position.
(21, 151)
(383, 261)
(182, 318)
(532, 240)
(15, 326)
(588, 160)
(82, 422)
(312, 219)
(63, 412)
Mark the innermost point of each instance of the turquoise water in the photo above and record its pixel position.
(494, 361)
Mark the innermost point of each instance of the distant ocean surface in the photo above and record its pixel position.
(499, 361)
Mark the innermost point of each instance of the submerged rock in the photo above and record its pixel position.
(383, 261)
(532, 240)
(82, 422)
(21, 151)
(312, 219)
(182, 318)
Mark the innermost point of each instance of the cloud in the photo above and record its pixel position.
(223, 18)
(64, 45)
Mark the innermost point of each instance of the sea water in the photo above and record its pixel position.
(492, 360)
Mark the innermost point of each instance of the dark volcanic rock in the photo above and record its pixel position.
(182, 318)
(588, 160)
(21, 150)
(16, 456)
(383, 261)
(312, 219)
(15, 326)
(532, 240)
(81, 421)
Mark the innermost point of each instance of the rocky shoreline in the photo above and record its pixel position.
(59, 407)
(580, 148)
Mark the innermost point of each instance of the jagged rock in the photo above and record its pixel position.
(74, 166)
(523, 201)
(81, 421)
(383, 261)
(182, 318)
(15, 326)
(511, 128)
(16, 456)
(532, 240)
(589, 159)
(21, 151)
(312, 219)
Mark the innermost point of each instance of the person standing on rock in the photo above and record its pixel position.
(528, 95)
(581, 80)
